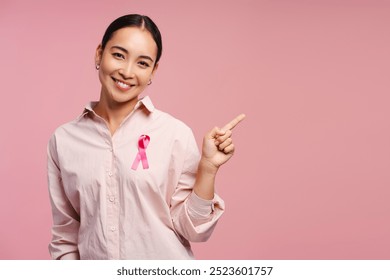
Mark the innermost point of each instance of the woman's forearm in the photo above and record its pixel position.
(205, 180)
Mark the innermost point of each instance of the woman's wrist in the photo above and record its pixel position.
(206, 167)
(205, 178)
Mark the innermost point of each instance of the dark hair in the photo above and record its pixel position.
(138, 21)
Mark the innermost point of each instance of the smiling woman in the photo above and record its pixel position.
(126, 67)
(127, 59)
(104, 204)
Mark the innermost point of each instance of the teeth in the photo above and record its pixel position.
(122, 85)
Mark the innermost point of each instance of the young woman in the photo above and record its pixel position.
(126, 180)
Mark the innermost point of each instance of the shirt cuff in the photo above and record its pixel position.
(70, 256)
(199, 208)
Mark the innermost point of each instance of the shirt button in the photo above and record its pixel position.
(112, 198)
(113, 228)
(111, 149)
(109, 173)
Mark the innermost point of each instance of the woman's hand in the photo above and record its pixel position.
(217, 149)
(218, 145)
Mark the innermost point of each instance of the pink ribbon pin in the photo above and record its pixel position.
(143, 142)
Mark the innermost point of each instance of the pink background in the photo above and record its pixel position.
(310, 178)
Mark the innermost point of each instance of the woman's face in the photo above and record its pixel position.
(127, 64)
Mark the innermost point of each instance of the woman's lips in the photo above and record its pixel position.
(121, 85)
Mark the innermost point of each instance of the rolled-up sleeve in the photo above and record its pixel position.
(193, 217)
(66, 221)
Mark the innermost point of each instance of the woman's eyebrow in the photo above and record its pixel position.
(146, 57)
(120, 48)
(127, 52)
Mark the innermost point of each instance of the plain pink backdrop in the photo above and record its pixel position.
(310, 178)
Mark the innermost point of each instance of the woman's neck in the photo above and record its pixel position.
(113, 112)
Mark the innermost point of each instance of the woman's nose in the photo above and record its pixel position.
(127, 71)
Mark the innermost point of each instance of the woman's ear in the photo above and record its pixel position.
(98, 55)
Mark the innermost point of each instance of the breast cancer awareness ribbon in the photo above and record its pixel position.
(143, 142)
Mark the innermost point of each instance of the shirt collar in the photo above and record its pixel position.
(146, 101)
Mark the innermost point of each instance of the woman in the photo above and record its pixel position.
(126, 180)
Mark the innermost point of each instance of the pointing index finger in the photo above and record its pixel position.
(234, 122)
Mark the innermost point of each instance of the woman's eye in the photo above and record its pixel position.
(144, 63)
(118, 55)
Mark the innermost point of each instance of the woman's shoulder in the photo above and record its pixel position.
(169, 121)
(74, 126)
(161, 118)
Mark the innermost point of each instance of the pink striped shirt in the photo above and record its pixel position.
(103, 209)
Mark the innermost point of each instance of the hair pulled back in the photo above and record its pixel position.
(138, 21)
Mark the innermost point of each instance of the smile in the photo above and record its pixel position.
(121, 84)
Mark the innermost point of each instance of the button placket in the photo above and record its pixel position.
(111, 208)
(112, 205)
